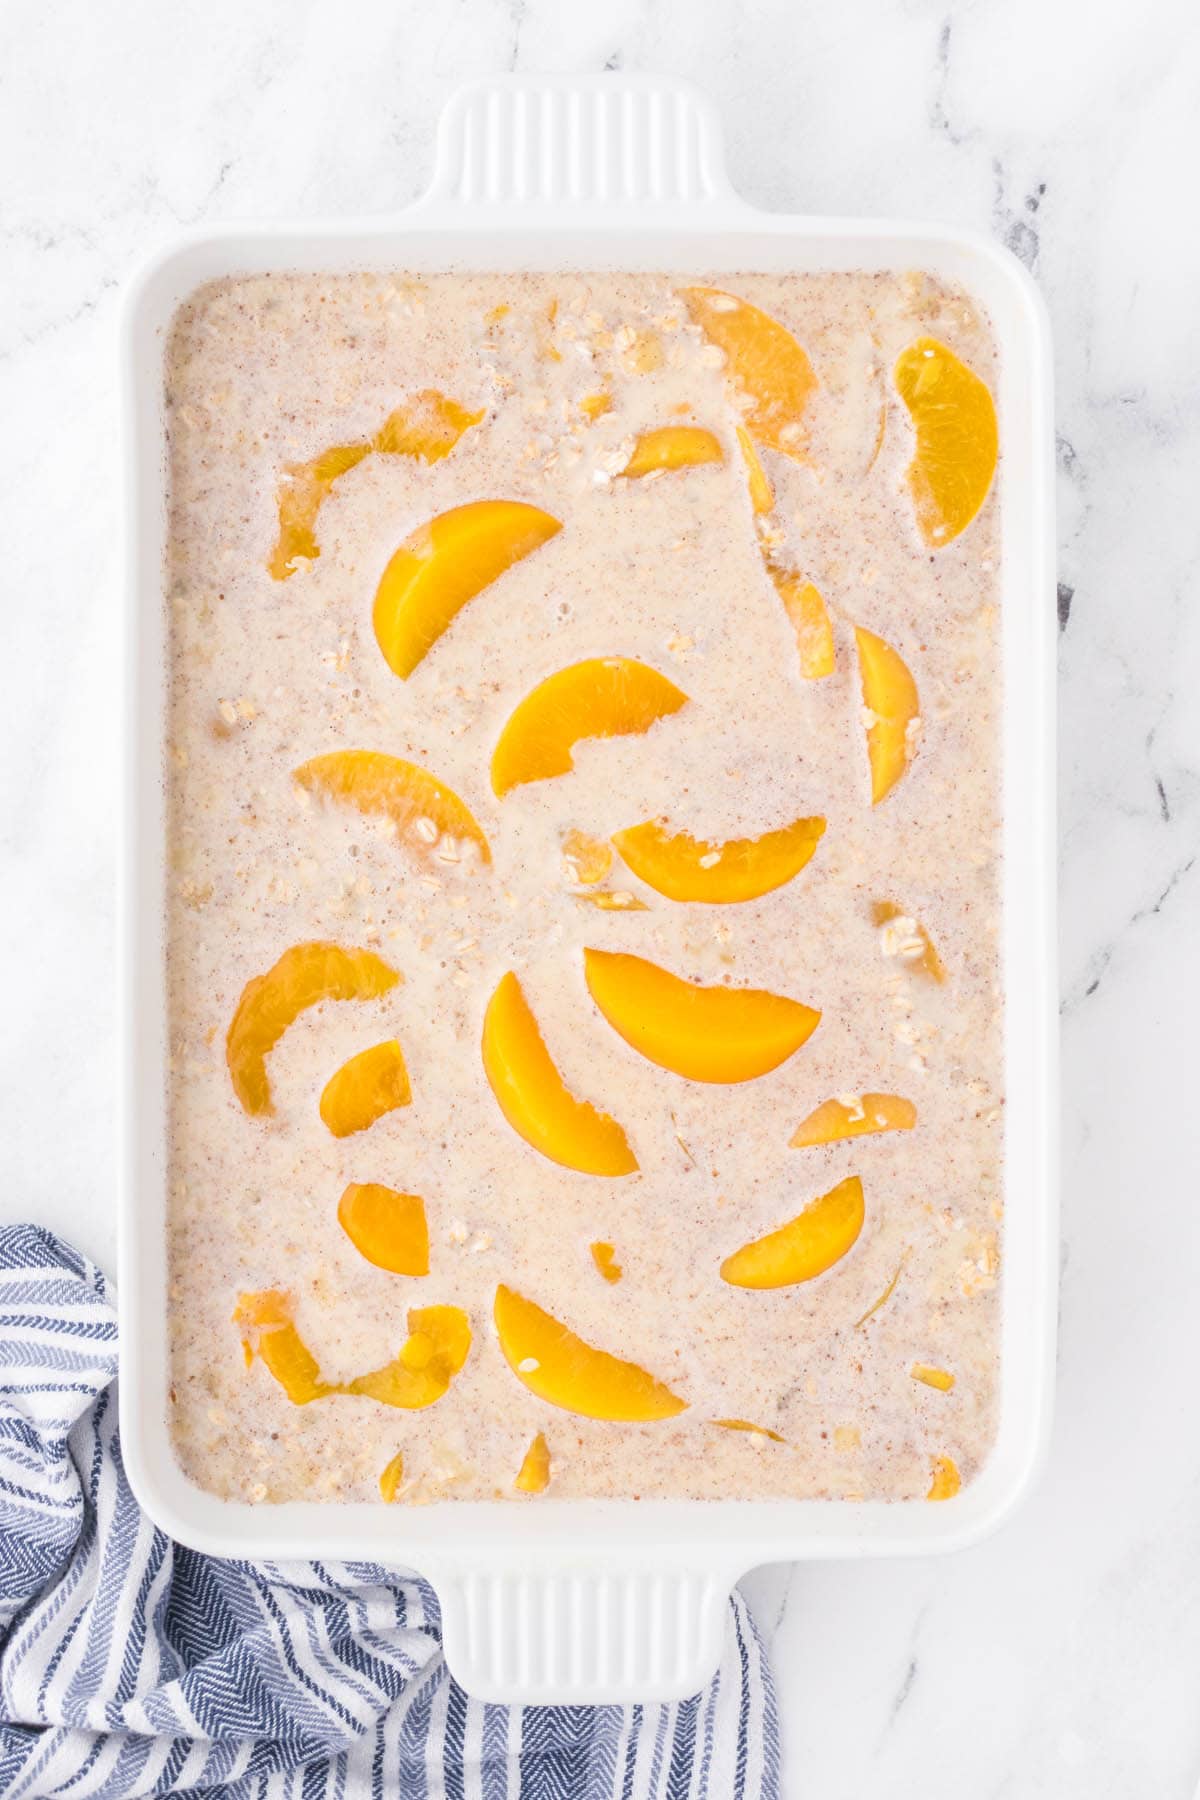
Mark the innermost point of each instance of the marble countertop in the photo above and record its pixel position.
(1062, 1658)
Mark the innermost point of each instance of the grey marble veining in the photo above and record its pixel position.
(1062, 1659)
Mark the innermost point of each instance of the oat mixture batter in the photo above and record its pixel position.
(876, 1378)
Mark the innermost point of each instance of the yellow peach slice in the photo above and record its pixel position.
(673, 447)
(560, 1368)
(424, 811)
(435, 1350)
(594, 406)
(443, 565)
(890, 698)
(304, 976)
(764, 359)
(941, 1379)
(588, 859)
(810, 621)
(747, 1425)
(806, 1246)
(904, 937)
(428, 426)
(946, 1479)
(607, 696)
(534, 1098)
(613, 900)
(762, 494)
(265, 1319)
(299, 499)
(386, 1227)
(602, 1256)
(836, 1119)
(686, 868)
(703, 1033)
(954, 418)
(533, 1477)
(426, 1363)
(366, 1087)
(391, 1477)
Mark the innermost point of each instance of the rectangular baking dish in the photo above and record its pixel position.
(599, 1600)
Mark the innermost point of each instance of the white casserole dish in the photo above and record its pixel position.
(600, 1600)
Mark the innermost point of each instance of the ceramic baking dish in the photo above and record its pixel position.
(600, 1600)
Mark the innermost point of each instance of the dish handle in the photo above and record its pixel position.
(582, 1635)
(646, 144)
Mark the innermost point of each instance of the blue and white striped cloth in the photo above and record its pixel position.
(132, 1666)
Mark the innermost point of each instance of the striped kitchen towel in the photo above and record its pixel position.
(132, 1666)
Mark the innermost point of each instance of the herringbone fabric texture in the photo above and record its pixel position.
(132, 1666)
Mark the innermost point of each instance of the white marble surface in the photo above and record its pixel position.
(1062, 1659)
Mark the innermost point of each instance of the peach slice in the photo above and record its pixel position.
(589, 859)
(560, 1368)
(423, 810)
(603, 1255)
(594, 406)
(810, 621)
(686, 868)
(860, 1116)
(426, 1363)
(435, 1350)
(673, 447)
(366, 1087)
(265, 1319)
(703, 1033)
(386, 1227)
(607, 696)
(748, 1425)
(534, 1098)
(299, 499)
(613, 900)
(905, 938)
(946, 1479)
(765, 359)
(444, 564)
(428, 426)
(533, 1477)
(954, 417)
(303, 977)
(762, 494)
(890, 698)
(391, 1477)
(941, 1379)
(806, 1246)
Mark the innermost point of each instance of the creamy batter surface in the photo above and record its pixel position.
(275, 661)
